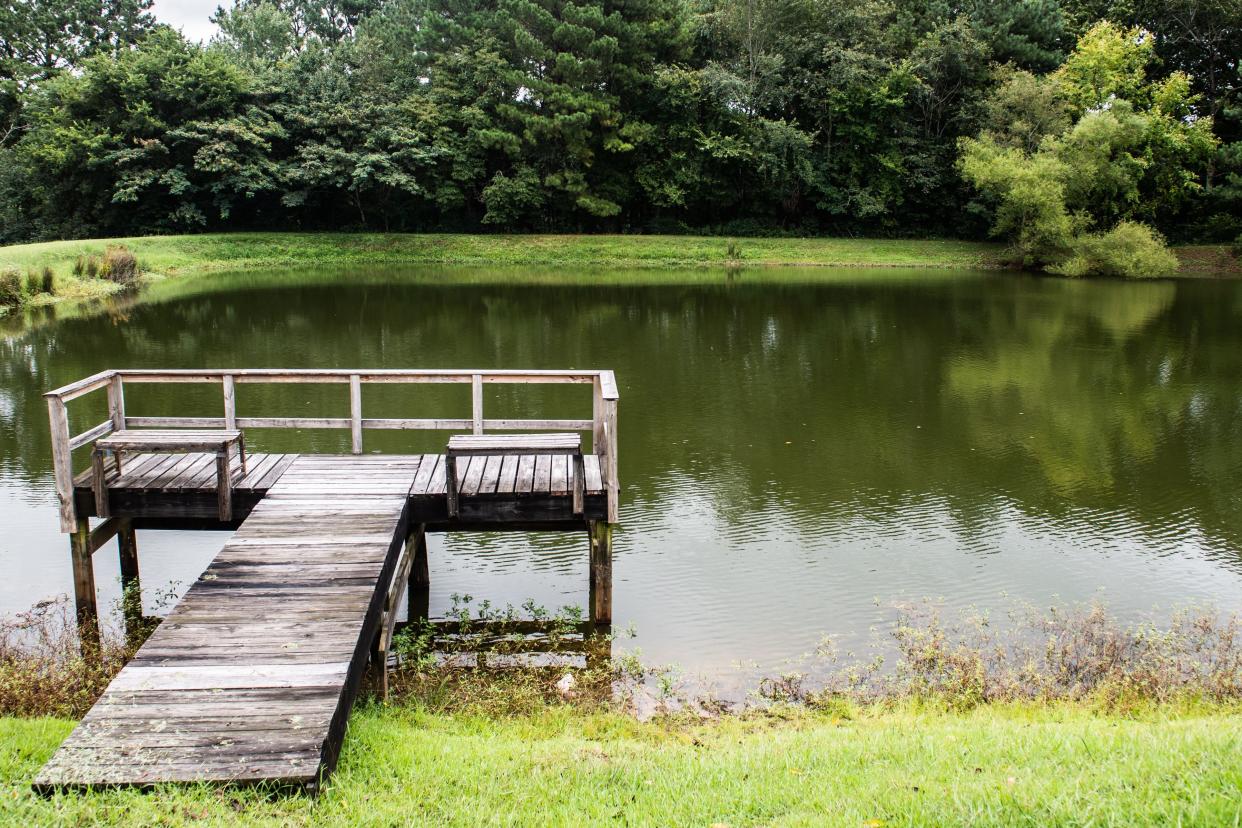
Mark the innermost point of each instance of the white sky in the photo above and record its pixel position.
(190, 16)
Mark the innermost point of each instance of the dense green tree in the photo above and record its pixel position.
(738, 116)
(328, 21)
(41, 38)
(1030, 34)
(38, 38)
(160, 137)
(1133, 153)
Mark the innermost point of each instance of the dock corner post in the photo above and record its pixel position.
(601, 573)
(131, 586)
(116, 402)
(85, 603)
(62, 462)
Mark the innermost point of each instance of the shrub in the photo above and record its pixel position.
(49, 281)
(1078, 652)
(1130, 249)
(43, 671)
(10, 287)
(32, 283)
(92, 267)
(120, 266)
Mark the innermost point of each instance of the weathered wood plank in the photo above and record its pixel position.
(525, 474)
(474, 476)
(508, 474)
(543, 474)
(559, 480)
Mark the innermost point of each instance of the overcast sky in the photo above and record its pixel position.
(190, 16)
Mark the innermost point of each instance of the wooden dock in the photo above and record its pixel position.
(252, 676)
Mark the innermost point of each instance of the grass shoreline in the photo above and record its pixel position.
(1018, 764)
(187, 254)
(192, 255)
(1093, 722)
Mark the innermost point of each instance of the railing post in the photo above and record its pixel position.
(597, 416)
(604, 437)
(230, 402)
(355, 412)
(116, 402)
(62, 462)
(612, 482)
(476, 402)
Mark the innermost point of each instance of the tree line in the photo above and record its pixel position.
(1050, 123)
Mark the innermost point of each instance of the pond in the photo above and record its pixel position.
(798, 448)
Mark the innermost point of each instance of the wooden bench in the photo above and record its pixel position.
(469, 445)
(223, 443)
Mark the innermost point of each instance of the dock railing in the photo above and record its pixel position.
(602, 425)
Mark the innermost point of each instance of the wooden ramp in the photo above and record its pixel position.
(251, 677)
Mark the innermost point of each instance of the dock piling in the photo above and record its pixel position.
(601, 572)
(131, 586)
(85, 602)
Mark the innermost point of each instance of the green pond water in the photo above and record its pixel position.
(798, 448)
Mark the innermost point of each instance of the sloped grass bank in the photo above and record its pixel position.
(996, 765)
(58, 264)
(178, 255)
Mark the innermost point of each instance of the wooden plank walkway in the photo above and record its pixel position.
(252, 676)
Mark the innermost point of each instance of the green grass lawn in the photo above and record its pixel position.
(996, 765)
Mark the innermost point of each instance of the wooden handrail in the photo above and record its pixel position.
(602, 423)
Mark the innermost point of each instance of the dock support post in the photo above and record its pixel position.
(419, 598)
(601, 572)
(84, 586)
(131, 586)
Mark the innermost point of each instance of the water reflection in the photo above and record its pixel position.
(793, 445)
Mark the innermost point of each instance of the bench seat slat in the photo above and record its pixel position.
(525, 443)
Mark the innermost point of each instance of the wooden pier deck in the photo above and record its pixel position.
(176, 491)
(252, 676)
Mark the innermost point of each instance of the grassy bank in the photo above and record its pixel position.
(181, 256)
(1007, 765)
(1093, 723)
